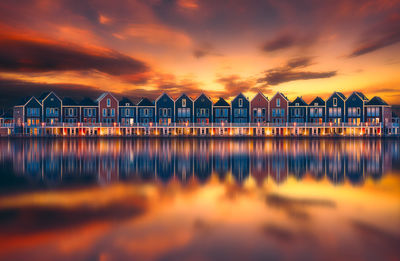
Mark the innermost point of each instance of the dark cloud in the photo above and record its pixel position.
(379, 36)
(25, 55)
(288, 202)
(278, 232)
(287, 40)
(289, 72)
(205, 50)
(234, 84)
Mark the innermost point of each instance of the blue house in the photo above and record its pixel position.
(146, 111)
(240, 109)
(51, 108)
(70, 111)
(165, 110)
(89, 111)
(202, 110)
(316, 111)
(127, 112)
(221, 111)
(184, 109)
(335, 108)
(28, 111)
(298, 111)
(355, 107)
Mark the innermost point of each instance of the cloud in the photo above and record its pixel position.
(379, 36)
(287, 40)
(234, 84)
(27, 55)
(205, 50)
(289, 72)
(287, 202)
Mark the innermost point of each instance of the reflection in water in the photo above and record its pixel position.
(109, 160)
(199, 199)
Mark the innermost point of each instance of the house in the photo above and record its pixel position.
(316, 111)
(240, 107)
(377, 111)
(165, 107)
(108, 108)
(202, 110)
(28, 111)
(279, 108)
(184, 109)
(221, 111)
(6, 117)
(89, 111)
(71, 111)
(298, 111)
(259, 108)
(334, 108)
(354, 105)
(145, 111)
(127, 112)
(51, 108)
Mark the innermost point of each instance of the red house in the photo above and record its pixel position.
(108, 108)
(259, 108)
(279, 108)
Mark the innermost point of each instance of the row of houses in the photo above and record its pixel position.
(50, 109)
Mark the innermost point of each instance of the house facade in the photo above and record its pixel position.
(89, 111)
(127, 112)
(377, 111)
(354, 106)
(51, 108)
(202, 110)
(71, 111)
(316, 111)
(279, 108)
(221, 111)
(183, 109)
(165, 107)
(145, 112)
(108, 108)
(259, 108)
(298, 111)
(240, 107)
(335, 108)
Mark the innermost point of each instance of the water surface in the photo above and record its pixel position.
(199, 199)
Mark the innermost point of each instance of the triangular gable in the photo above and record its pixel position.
(101, 97)
(164, 94)
(202, 94)
(261, 95)
(48, 95)
(339, 94)
(280, 94)
(184, 94)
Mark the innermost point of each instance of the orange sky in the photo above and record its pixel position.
(143, 48)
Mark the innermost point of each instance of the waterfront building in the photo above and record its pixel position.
(89, 111)
(202, 110)
(335, 108)
(108, 108)
(165, 109)
(354, 105)
(71, 111)
(377, 111)
(240, 109)
(51, 108)
(279, 108)
(127, 112)
(221, 111)
(146, 111)
(184, 109)
(316, 111)
(259, 108)
(298, 111)
(28, 112)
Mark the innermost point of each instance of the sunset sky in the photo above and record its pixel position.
(146, 47)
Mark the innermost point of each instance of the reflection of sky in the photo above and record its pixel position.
(56, 162)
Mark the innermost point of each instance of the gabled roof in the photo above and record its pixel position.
(164, 94)
(221, 103)
(298, 100)
(376, 101)
(260, 94)
(125, 101)
(341, 95)
(87, 102)
(240, 95)
(145, 102)
(43, 96)
(67, 101)
(202, 94)
(318, 100)
(104, 95)
(279, 93)
(183, 94)
(362, 96)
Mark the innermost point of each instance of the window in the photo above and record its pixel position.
(334, 101)
(108, 102)
(240, 102)
(358, 111)
(278, 102)
(104, 112)
(127, 112)
(183, 102)
(112, 112)
(297, 104)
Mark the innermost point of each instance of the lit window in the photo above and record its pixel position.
(108, 102)
(278, 102)
(183, 102)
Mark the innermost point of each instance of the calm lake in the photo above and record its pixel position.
(199, 199)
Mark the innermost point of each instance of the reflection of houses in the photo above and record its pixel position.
(165, 158)
(202, 161)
